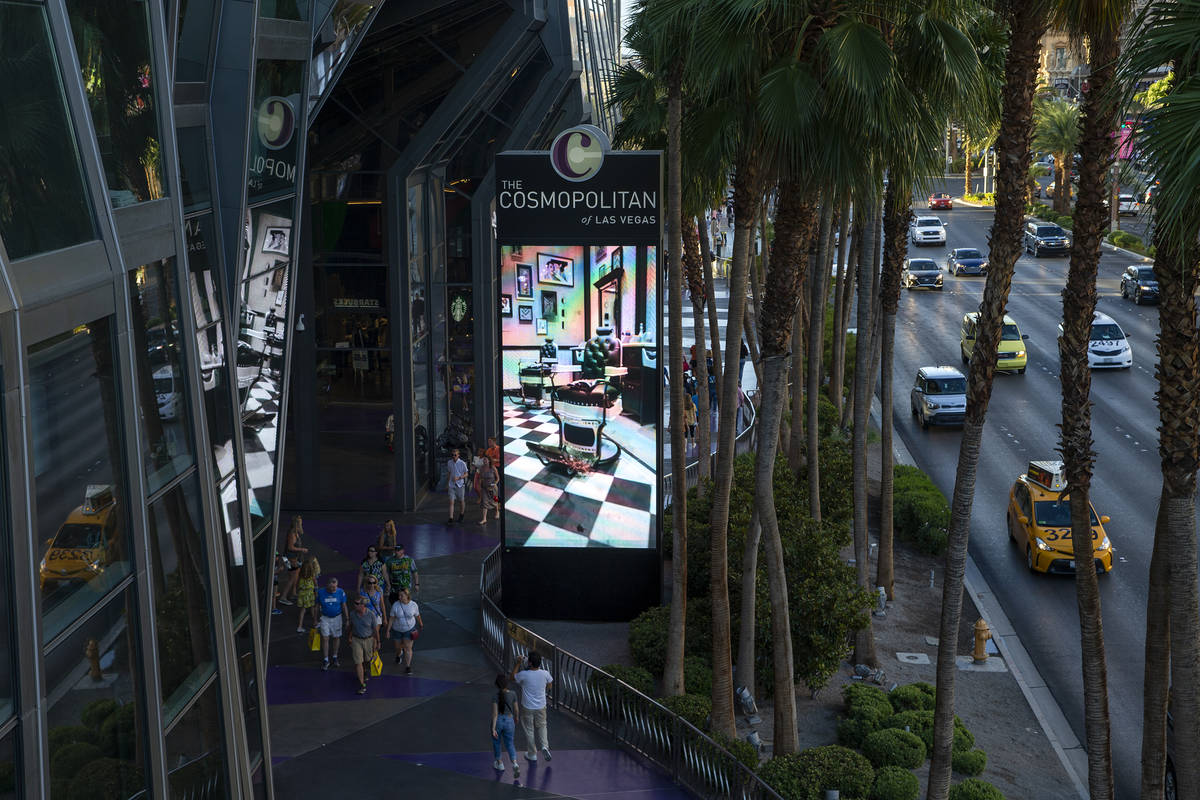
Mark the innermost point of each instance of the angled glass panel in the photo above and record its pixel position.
(195, 751)
(283, 9)
(10, 772)
(192, 51)
(8, 667)
(193, 169)
(247, 662)
(332, 44)
(161, 377)
(82, 523)
(234, 547)
(43, 199)
(93, 681)
(112, 39)
(273, 128)
(179, 573)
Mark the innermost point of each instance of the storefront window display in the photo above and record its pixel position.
(581, 388)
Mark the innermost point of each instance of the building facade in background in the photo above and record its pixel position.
(202, 204)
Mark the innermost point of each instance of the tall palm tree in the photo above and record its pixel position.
(1056, 131)
(1026, 21)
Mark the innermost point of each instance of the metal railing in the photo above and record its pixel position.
(647, 727)
(744, 442)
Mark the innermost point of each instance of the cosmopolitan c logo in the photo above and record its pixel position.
(577, 153)
(276, 123)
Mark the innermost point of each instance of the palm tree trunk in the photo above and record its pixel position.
(672, 679)
(1157, 677)
(1027, 21)
(1099, 116)
(864, 638)
(794, 435)
(747, 188)
(700, 364)
(746, 613)
(896, 213)
(966, 151)
(1062, 184)
(714, 328)
(847, 255)
(816, 349)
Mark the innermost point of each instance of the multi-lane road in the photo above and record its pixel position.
(1022, 425)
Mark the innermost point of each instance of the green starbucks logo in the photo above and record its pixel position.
(458, 308)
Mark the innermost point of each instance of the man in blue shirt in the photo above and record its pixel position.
(332, 601)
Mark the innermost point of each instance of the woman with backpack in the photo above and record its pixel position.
(504, 723)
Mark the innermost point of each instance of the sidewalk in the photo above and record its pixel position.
(425, 735)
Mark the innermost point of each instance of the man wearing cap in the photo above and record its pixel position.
(402, 571)
(364, 639)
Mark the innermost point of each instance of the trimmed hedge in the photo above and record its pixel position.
(692, 707)
(118, 733)
(895, 783)
(894, 747)
(636, 677)
(919, 696)
(975, 789)
(852, 731)
(867, 701)
(697, 676)
(742, 750)
(921, 723)
(107, 779)
(71, 758)
(69, 734)
(968, 762)
(920, 512)
(648, 638)
(95, 712)
(806, 775)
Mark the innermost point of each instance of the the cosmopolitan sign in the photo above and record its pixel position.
(579, 191)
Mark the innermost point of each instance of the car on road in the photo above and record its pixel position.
(1012, 357)
(921, 273)
(1139, 284)
(1151, 191)
(1127, 205)
(1046, 237)
(939, 396)
(966, 261)
(1039, 521)
(940, 200)
(89, 540)
(927, 230)
(1108, 346)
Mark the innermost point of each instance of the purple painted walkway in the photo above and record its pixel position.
(424, 540)
(286, 685)
(608, 774)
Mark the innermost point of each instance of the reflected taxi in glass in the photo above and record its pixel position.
(1039, 521)
(88, 541)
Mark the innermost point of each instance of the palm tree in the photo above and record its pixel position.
(1056, 130)
(1026, 21)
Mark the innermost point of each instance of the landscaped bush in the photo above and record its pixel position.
(892, 747)
(895, 783)
(1065, 221)
(969, 762)
(975, 789)
(806, 775)
(107, 779)
(118, 734)
(697, 676)
(918, 696)
(742, 750)
(636, 677)
(69, 734)
(71, 758)
(985, 199)
(648, 638)
(851, 731)
(920, 512)
(692, 707)
(95, 712)
(866, 701)
(921, 723)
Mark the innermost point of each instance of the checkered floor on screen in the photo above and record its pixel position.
(612, 506)
(260, 427)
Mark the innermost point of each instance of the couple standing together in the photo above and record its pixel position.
(532, 679)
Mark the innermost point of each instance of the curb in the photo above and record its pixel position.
(1050, 716)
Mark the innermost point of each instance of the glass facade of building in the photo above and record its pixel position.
(238, 242)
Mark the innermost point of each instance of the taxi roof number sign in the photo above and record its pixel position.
(1048, 474)
(96, 497)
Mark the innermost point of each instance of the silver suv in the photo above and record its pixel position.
(939, 396)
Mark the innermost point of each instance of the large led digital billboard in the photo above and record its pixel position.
(581, 395)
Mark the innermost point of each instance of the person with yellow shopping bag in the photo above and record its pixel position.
(376, 665)
(364, 640)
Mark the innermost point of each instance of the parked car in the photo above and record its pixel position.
(1108, 346)
(940, 200)
(921, 273)
(966, 261)
(939, 396)
(1045, 237)
(1127, 205)
(927, 230)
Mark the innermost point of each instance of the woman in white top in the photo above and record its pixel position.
(406, 626)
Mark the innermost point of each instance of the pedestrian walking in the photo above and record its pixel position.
(333, 609)
(493, 452)
(689, 419)
(489, 480)
(371, 567)
(364, 640)
(406, 626)
(505, 712)
(481, 458)
(306, 597)
(533, 680)
(296, 552)
(386, 543)
(402, 572)
(376, 600)
(456, 478)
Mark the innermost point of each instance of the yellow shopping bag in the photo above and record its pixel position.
(314, 640)
(376, 665)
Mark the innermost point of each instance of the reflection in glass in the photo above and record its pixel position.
(7, 650)
(265, 566)
(284, 9)
(193, 169)
(76, 420)
(195, 756)
(180, 578)
(247, 667)
(274, 121)
(112, 38)
(10, 775)
(421, 411)
(92, 680)
(333, 41)
(43, 202)
(235, 548)
(162, 389)
(195, 36)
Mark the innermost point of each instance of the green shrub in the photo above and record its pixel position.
(107, 779)
(975, 789)
(117, 734)
(742, 750)
(921, 723)
(69, 734)
(920, 512)
(870, 702)
(71, 758)
(851, 731)
(895, 783)
(806, 775)
(648, 638)
(8, 776)
(692, 707)
(697, 676)
(1065, 221)
(95, 712)
(892, 747)
(636, 677)
(969, 762)
(919, 696)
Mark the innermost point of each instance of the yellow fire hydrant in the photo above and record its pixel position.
(982, 634)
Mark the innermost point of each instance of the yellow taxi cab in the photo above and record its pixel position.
(1039, 520)
(87, 542)
(1012, 356)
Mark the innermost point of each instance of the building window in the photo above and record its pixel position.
(8, 653)
(43, 201)
(194, 42)
(195, 750)
(193, 169)
(1060, 58)
(112, 38)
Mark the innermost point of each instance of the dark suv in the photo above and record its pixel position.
(1045, 237)
(1139, 284)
